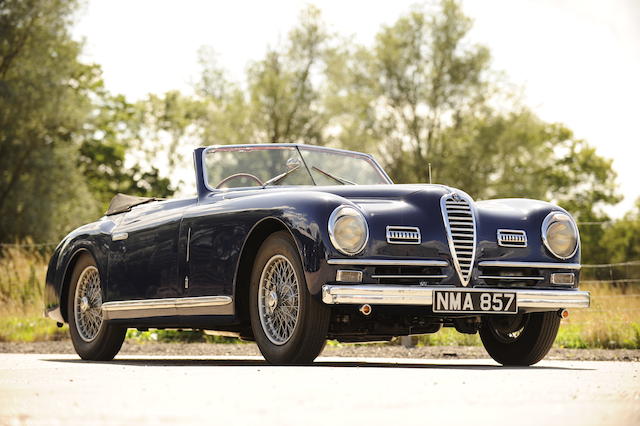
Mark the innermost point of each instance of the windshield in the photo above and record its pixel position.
(269, 165)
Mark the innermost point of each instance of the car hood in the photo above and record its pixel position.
(420, 206)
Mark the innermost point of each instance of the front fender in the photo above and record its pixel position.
(516, 213)
(94, 239)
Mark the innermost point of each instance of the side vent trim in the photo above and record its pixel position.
(512, 238)
(403, 235)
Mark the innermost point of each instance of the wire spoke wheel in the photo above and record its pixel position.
(289, 325)
(87, 304)
(279, 299)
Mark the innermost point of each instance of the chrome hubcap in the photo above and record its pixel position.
(278, 299)
(272, 300)
(84, 304)
(509, 330)
(87, 305)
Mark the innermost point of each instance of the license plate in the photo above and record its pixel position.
(474, 302)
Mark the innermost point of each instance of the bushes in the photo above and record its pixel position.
(22, 276)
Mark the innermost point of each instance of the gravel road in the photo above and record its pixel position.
(228, 390)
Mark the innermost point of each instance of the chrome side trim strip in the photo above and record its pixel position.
(512, 278)
(539, 265)
(410, 276)
(204, 305)
(196, 302)
(387, 262)
(188, 244)
(418, 295)
(119, 236)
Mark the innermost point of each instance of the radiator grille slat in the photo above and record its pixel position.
(461, 233)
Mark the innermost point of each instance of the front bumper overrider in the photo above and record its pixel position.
(376, 294)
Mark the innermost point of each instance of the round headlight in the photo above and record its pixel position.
(560, 235)
(348, 230)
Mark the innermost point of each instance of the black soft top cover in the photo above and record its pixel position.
(122, 203)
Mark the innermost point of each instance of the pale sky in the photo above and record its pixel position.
(577, 60)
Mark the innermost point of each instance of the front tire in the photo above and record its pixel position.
(93, 338)
(519, 340)
(289, 325)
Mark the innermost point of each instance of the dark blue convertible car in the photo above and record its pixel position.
(290, 245)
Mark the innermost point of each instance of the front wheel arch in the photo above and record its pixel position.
(66, 280)
(258, 234)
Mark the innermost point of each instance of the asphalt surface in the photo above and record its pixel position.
(227, 390)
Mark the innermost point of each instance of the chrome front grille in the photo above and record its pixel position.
(403, 235)
(461, 233)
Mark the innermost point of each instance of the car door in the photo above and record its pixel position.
(214, 237)
(144, 255)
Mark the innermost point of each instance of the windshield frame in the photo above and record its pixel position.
(299, 147)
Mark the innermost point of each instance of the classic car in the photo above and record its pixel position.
(289, 245)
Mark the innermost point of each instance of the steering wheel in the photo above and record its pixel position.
(239, 175)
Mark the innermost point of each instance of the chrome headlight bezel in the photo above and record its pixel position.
(549, 220)
(350, 211)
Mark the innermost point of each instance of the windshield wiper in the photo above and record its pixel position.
(281, 176)
(336, 178)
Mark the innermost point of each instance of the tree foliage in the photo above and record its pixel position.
(621, 239)
(43, 104)
(111, 131)
(424, 94)
(282, 100)
(63, 138)
(284, 95)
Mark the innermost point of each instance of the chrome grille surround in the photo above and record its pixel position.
(512, 238)
(403, 235)
(460, 224)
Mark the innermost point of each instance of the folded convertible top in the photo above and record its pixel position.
(122, 203)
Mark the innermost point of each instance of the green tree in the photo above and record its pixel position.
(43, 105)
(63, 137)
(283, 100)
(285, 97)
(112, 131)
(620, 241)
(417, 79)
(224, 111)
(424, 94)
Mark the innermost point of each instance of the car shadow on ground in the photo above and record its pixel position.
(256, 362)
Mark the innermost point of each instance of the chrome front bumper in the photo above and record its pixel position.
(375, 294)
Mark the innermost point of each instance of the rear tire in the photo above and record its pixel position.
(520, 340)
(289, 325)
(93, 338)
